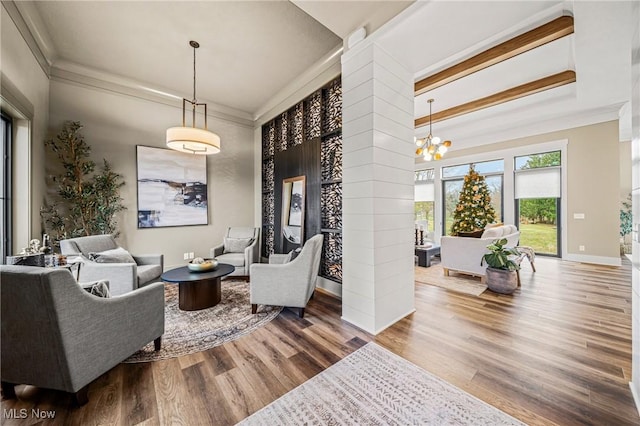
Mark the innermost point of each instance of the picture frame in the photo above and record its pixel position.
(171, 188)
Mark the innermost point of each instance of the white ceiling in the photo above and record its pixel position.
(250, 51)
(429, 39)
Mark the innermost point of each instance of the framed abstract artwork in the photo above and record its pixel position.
(172, 188)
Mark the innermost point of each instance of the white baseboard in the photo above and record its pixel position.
(636, 397)
(330, 287)
(393, 321)
(598, 260)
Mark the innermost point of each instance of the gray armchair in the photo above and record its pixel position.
(242, 249)
(288, 284)
(56, 335)
(123, 277)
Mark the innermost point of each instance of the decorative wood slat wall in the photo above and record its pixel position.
(317, 117)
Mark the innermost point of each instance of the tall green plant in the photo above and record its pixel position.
(626, 217)
(86, 200)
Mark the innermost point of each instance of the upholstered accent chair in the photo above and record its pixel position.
(240, 248)
(124, 275)
(290, 284)
(464, 254)
(56, 335)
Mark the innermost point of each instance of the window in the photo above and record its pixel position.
(453, 177)
(537, 201)
(5, 188)
(425, 201)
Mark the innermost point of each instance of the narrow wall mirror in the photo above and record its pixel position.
(293, 193)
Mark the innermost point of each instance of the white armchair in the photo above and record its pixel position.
(123, 276)
(288, 284)
(464, 254)
(240, 248)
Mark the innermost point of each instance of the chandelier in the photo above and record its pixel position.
(431, 147)
(193, 140)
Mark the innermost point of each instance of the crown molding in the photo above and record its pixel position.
(70, 72)
(28, 23)
(321, 72)
(487, 136)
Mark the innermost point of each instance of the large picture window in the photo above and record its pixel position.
(424, 207)
(453, 177)
(538, 186)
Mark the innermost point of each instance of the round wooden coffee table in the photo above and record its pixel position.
(198, 290)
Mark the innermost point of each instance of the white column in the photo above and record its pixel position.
(635, 147)
(377, 181)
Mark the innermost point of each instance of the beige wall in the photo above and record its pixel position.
(593, 184)
(114, 124)
(29, 83)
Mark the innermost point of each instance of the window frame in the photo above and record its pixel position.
(7, 183)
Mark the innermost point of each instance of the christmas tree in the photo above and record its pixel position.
(474, 209)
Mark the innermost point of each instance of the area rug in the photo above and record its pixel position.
(373, 386)
(462, 283)
(188, 332)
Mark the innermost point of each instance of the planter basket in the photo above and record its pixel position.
(502, 281)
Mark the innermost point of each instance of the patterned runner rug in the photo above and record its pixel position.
(187, 332)
(373, 386)
(462, 283)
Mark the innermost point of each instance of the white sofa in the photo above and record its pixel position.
(464, 254)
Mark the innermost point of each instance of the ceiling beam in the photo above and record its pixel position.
(546, 33)
(546, 83)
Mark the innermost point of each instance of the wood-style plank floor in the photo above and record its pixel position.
(558, 351)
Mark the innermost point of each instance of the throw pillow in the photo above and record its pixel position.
(117, 255)
(473, 234)
(492, 233)
(97, 288)
(236, 245)
(493, 225)
(292, 255)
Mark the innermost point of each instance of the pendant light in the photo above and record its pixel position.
(431, 147)
(193, 140)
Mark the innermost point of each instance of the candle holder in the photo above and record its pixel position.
(421, 237)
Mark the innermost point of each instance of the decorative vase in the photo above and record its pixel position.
(502, 281)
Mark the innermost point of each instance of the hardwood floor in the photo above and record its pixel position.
(556, 352)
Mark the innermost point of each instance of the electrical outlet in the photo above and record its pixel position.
(185, 256)
(190, 255)
(581, 248)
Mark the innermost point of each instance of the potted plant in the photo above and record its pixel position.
(626, 225)
(502, 276)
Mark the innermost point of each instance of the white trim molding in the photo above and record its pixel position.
(329, 286)
(598, 260)
(636, 397)
(320, 73)
(72, 73)
(29, 32)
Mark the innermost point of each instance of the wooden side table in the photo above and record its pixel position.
(425, 253)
